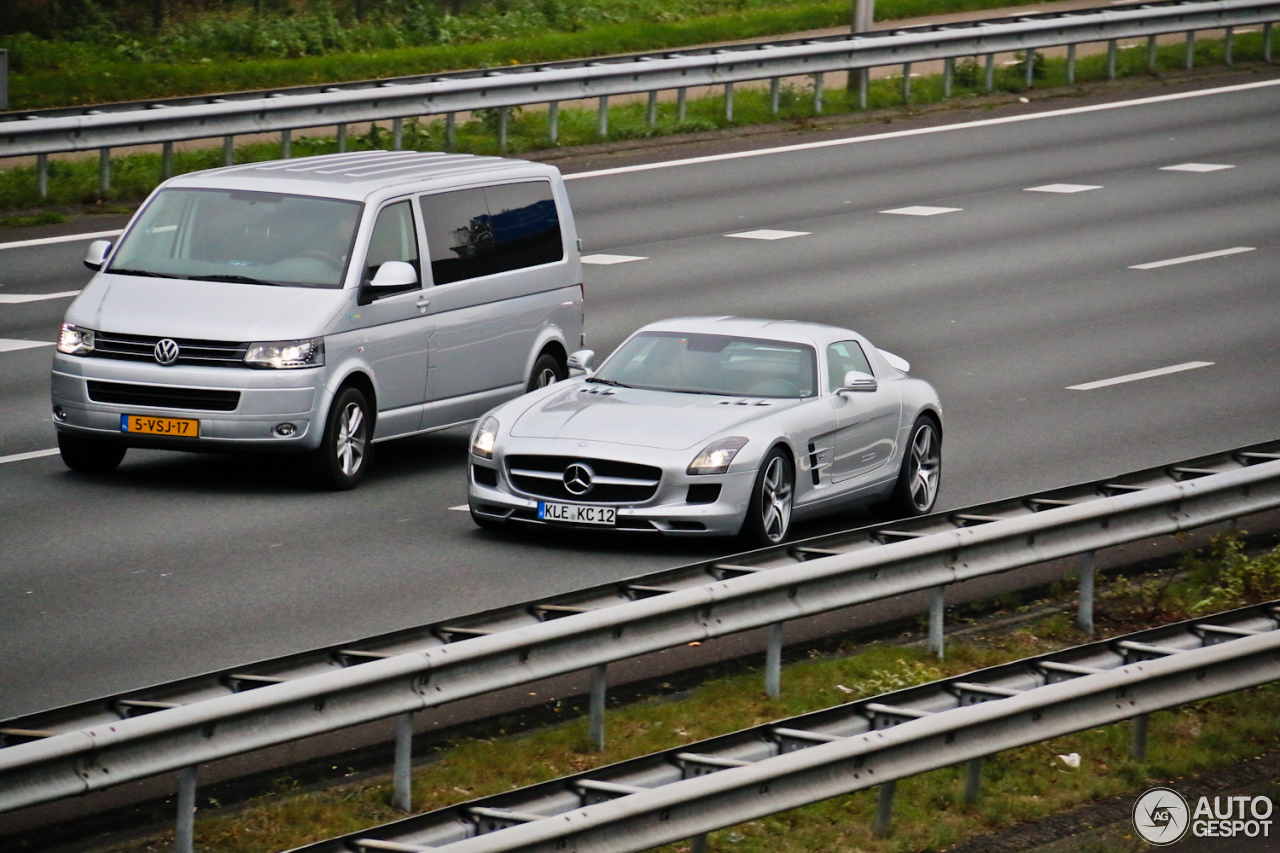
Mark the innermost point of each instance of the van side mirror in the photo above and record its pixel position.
(391, 277)
(96, 256)
(857, 381)
(581, 360)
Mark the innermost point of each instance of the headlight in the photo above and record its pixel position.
(483, 438)
(284, 355)
(716, 456)
(74, 340)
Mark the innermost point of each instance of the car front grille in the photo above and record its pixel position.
(190, 351)
(611, 481)
(161, 396)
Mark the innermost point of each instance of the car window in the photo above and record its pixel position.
(393, 239)
(712, 364)
(843, 357)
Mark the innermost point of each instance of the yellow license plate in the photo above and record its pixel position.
(181, 427)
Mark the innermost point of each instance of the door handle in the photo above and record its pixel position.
(422, 304)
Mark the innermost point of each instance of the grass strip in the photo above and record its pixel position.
(930, 813)
(74, 181)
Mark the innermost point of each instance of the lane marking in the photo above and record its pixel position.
(609, 260)
(1134, 377)
(769, 234)
(9, 344)
(35, 454)
(19, 298)
(463, 508)
(922, 131)
(1186, 259)
(922, 210)
(1062, 188)
(1196, 167)
(68, 238)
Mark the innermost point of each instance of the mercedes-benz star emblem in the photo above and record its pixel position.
(166, 351)
(577, 478)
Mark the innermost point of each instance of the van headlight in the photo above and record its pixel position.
(75, 340)
(716, 456)
(485, 436)
(285, 355)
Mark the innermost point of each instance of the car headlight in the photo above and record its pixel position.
(74, 340)
(716, 456)
(285, 355)
(482, 440)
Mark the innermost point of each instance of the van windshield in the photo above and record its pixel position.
(234, 235)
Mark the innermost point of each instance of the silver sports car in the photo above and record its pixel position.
(713, 426)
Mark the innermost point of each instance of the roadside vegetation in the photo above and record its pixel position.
(929, 810)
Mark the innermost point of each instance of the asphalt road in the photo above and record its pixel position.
(178, 563)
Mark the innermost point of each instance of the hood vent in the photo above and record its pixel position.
(745, 403)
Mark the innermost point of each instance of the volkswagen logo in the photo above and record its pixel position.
(166, 351)
(577, 478)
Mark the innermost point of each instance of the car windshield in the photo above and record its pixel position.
(712, 364)
(233, 235)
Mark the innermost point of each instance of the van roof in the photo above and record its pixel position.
(354, 175)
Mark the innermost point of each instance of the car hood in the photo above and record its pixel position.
(206, 310)
(659, 419)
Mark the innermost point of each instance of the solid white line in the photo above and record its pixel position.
(10, 345)
(35, 454)
(921, 131)
(1134, 377)
(1186, 259)
(67, 238)
(18, 298)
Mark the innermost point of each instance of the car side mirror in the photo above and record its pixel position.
(391, 277)
(856, 381)
(581, 360)
(96, 256)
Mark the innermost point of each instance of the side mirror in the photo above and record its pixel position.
(97, 254)
(857, 381)
(581, 360)
(391, 277)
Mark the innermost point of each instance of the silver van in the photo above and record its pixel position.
(319, 305)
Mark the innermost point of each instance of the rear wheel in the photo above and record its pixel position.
(921, 473)
(346, 449)
(769, 512)
(547, 370)
(90, 455)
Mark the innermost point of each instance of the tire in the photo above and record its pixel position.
(547, 370)
(90, 455)
(346, 450)
(920, 476)
(769, 511)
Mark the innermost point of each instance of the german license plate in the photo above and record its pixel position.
(577, 513)
(146, 425)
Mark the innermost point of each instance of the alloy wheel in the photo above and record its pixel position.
(775, 500)
(350, 439)
(926, 466)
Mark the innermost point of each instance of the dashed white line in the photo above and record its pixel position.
(9, 344)
(19, 298)
(609, 260)
(768, 234)
(1134, 377)
(66, 238)
(1186, 259)
(922, 210)
(463, 508)
(1062, 188)
(1196, 167)
(35, 454)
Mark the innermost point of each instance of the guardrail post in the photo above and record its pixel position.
(681, 96)
(1111, 59)
(342, 139)
(991, 72)
(1228, 39)
(450, 130)
(397, 133)
(4, 79)
(698, 844)
(937, 611)
(1029, 59)
(1071, 65)
(906, 82)
(104, 171)
(603, 115)
(401, 791)
(1138, 738)
(166, 160)
(817, 92)
(973, 780)
(1266, 42)
(728, 102)
(1151, 53)
(884, 809)
(228, 150)
(1084, 610)
(553, 121)
(773, 662)
(503, 113)
(651, 112)
(864, 77)
(1191, 48)
(286, 144)
(948, 68)
(185, 832)
(596, 706)
(42, 175)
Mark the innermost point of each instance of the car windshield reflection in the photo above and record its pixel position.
(712, 364)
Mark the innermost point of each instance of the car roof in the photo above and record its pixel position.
(792, 331)
(357, 175)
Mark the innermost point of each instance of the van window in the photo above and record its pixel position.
(843, 357)
(393, 239)
(482, 231)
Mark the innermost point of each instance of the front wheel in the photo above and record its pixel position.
(90, 455)
(346, 449)
(547, 370)
(769, 511)
(921, 473)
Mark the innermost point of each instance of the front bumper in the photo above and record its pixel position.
(267, 399)
(492, 496)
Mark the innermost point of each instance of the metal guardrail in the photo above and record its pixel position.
(728, 780)
(462, 660)
(164, 123)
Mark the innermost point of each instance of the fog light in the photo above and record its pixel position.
(60, 413)
(285, 430)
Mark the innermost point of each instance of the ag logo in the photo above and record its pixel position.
(1161, 816)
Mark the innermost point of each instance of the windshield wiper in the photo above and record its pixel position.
(611, 382)
(243, 279)
(146, 273)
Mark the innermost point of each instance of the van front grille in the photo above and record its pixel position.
(163, 397)
(191, 351)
